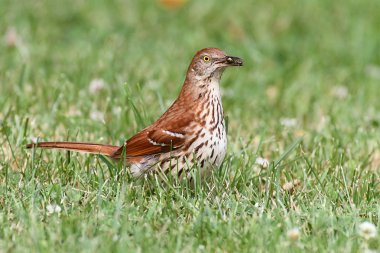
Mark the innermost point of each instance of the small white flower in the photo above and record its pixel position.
(264, 163)
(289, 122)
(293, 234)
(367, 230)
(21, 184)
(339, 91)
(53, 208)
(260, 208)
(97, 85)
(116, 110)
(115, 238)
(96, 115)
(34, 139)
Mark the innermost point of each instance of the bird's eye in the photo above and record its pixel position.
(206, 58)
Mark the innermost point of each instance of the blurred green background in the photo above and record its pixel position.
(101, 70)
(301, 49)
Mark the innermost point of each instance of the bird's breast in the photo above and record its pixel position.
(210, 144)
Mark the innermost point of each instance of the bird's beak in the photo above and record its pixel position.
(231, 61)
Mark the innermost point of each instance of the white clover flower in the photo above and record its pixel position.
(97, 85)
(339, 91)
(260, 208)
(264, 163)
(116, 110)
(367, 230)
(289, 122)
(293, 234)
(96, 115)
(115, 238)
(34, 139)
(53, 208)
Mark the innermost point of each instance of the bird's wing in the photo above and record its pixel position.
(166, 134)
(154, 141)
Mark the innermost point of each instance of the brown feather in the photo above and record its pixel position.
(92, 148)
(153, 140)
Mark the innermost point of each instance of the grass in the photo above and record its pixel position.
(307, 100)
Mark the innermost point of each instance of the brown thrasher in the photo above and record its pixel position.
(191, 132)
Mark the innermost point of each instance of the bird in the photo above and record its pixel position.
(190, 134)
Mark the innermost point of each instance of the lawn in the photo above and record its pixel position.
(302, 171)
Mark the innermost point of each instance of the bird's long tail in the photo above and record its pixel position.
(93, 148)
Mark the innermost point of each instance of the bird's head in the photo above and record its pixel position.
(211, 62)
